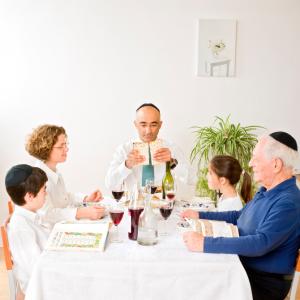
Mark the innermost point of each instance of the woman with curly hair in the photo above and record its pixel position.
(48, 143)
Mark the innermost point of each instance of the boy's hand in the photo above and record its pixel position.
(92, 213)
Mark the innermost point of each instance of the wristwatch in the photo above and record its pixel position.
(173, 163)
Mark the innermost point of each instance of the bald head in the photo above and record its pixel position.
(147, 123)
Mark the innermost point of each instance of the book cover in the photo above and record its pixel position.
(78, 236)
(214, 228)
(143, 149)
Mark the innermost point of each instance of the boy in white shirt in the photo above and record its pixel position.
(26, 186)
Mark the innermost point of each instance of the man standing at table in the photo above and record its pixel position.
(126, 164)
(269, 225)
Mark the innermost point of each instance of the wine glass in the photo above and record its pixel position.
(116, 213)
(170, 191)
(118, 192)
(165, 211)
(152, 185)
(168, 205)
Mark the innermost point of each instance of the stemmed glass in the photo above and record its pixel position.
(151, 185)
(118, 192)
(170, 190)
(168, 205)
(116, 213)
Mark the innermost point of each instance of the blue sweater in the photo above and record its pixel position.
(269, 227)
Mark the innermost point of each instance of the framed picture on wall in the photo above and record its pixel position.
(216, 48)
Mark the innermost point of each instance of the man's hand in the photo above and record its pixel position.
(190, 214)
(134, 158)
(194, 241)
(162, 155)
(96, 196)
(92, 213)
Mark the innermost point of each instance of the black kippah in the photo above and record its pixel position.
(148, 104)
(17, 174)
(285, 138)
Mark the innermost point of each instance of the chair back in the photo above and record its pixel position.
(8, 261)
(295, 289)
(10, 206)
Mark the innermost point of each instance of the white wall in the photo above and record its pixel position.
(87, 65)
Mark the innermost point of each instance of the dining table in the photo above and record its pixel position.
(128, 270)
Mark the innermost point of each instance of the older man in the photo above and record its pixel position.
(126, 164)
(269, 225)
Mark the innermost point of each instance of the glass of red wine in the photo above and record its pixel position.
(116, 214)
(151, 185)
(165, 211)
(168, 205)
(118, 192)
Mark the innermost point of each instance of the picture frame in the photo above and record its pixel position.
(216, 48)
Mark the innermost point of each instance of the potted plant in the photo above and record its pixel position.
(225, 138)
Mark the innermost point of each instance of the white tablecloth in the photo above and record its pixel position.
(130, 271)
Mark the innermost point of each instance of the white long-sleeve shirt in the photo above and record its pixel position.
(27, 239)
(118, 172)
(60, 205)
(228, 204)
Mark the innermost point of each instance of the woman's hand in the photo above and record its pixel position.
(92, 213)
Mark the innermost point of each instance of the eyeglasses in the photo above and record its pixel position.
(63, 146)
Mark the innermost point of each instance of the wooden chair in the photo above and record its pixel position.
(14, 292)
(10, 206)
(8, 262)
(295, 290)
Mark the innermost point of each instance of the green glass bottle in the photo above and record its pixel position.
(168, 180)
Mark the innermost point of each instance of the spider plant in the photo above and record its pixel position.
(225, 138)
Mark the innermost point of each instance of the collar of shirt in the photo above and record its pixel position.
(53, 176)
(281, 186)
(28, 214)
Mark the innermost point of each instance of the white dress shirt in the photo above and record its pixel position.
(59, 205)
(27, 239)
(118, 172)
(228, 204)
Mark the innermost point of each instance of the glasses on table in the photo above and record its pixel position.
(118, 192)
(167, 206)
(116, 213)
(151, 186)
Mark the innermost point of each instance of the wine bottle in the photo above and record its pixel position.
(168, 180)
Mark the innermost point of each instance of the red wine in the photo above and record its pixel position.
(166, 212)
(170, 196)
(118, 195)
(116, 216)
(135, 215)
(153, 189)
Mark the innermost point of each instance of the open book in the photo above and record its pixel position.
(143, 149)
(214, 228)
(78, 236)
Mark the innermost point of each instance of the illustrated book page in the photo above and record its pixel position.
(78, 236)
